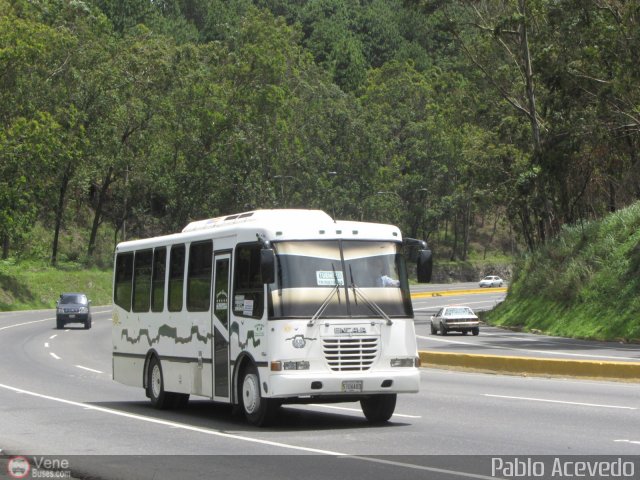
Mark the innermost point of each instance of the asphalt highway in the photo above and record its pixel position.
(57, 399)
(497, 341)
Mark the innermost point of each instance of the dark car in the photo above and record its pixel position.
(73, 308)
(455, 319)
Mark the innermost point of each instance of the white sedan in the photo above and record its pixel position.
(491, 281)
(455, 319)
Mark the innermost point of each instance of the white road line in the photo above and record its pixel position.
(53, 336)
(217, 433)
(46, 344)
(27, 323)
(89, 369)
(635, 442)
(168, 423)
(54, 355)
(546, 352)
(560, 401)
(358, 410)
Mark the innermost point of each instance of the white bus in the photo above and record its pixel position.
(268, 307)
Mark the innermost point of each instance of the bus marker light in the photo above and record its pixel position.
(276, 366)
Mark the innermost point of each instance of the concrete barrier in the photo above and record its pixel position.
(447, 293)
(619, 371)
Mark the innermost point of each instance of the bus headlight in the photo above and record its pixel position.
(278, 366)
(403, 362)
(301, 365)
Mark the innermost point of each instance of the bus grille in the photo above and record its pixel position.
(350, 354)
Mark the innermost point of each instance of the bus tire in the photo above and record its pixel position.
(379, 408)
(155, 386)
(258, 410)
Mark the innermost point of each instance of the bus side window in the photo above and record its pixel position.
(142, 280)
(124, 280)
(176, 277)
(248, 292)
(199, 276)
(157, 279)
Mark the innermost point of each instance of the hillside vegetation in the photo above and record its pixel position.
(583, 284)
(31, 285)
(136, 117)
(482, 126)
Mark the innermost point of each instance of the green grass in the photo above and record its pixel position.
(32, 285)
(583, 284)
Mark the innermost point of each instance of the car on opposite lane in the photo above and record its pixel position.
(491, 281)
(455, 318)
(73, 308)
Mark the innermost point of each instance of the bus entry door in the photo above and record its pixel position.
(220, 326)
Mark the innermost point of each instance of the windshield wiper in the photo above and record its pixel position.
(373, 305)
(324, 306)
(327, 300)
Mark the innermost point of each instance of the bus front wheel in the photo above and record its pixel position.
(259, 411)
(379, 408)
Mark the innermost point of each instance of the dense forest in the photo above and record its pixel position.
(134, 117)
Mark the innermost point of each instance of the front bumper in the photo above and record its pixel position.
(287, 385)
(72, 317)
(460, 326)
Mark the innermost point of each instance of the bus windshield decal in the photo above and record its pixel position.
(329, 278)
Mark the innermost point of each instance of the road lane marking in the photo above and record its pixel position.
(358, 410)
(53, 336)
(168, 423)
(218, 433)
(27, 323)
(54, 355)
(46, 344)
(89, 369)
(438, 307)
(635, 442)
(529, 399)
(545, 352)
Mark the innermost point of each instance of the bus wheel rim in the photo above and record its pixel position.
(156, 381)
(250, 394)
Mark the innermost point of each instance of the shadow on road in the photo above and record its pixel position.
(220, 417)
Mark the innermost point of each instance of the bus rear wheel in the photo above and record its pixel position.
(379, 408)
(258, 410)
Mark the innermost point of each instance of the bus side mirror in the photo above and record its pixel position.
(267, 265)
(425, 266)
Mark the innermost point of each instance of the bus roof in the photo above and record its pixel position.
(274, 225)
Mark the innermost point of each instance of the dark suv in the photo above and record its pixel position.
(73, 308)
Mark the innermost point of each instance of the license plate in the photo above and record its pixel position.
(352, 386)
(72, 316)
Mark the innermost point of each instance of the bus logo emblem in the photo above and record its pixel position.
(349, 330)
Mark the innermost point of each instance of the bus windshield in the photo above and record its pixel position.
(339, 279)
